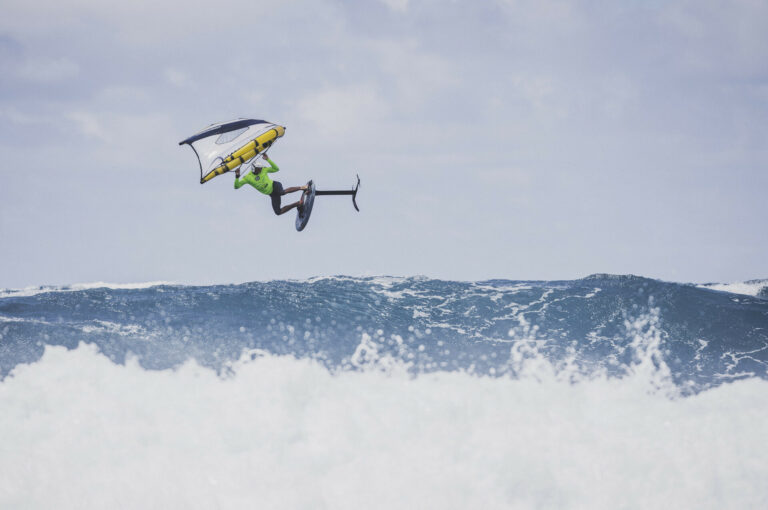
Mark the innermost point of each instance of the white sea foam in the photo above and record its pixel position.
(749, 288)
(33, 291)
(133, 330)
(77, 431)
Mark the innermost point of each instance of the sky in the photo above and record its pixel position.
(511, 139)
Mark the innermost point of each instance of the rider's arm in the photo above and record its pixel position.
(239, 182)
(274, 168)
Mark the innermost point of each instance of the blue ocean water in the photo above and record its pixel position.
(338, 392)
(592, 325)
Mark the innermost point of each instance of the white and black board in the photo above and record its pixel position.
(305, 210)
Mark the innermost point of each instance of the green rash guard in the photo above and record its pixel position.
(261, 180)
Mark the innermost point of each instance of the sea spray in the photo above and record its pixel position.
(384, 393)
(79, 431)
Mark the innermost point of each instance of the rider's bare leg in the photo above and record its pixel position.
(294, 189)
(287, 208)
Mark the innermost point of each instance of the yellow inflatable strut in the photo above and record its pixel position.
(245, 153)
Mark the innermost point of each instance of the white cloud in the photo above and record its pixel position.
(732, 39)
(122, 97)
(539, 92)
(397, 5)
(88, 124)
(21, 118)
(417, 74)
(254, 98)
(141, 22)
(545, 103)
(46, 70)
(176, 77)
(342, 111)
(620, 95)
(561, 12)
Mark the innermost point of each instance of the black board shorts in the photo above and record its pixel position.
(276, 196)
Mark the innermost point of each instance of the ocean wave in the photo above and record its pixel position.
(748, 288)
(705, 336)
(75, 287)
(276, 431)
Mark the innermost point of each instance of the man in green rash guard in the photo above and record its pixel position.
(261, 181)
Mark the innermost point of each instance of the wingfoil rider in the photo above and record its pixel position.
(258, 177)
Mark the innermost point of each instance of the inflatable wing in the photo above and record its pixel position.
(225, 146)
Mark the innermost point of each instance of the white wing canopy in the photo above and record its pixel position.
(226, 146)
